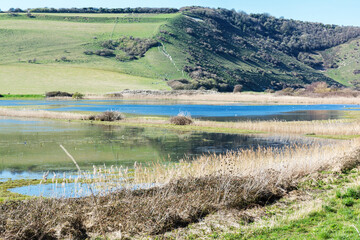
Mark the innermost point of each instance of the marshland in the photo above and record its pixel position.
(166, 123)
(145, 173)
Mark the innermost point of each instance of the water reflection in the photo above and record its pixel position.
(27, 154)
(216, 112)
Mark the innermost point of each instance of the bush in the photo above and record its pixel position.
(105, 53)
(78, 95)
(1, 95)
(58, 94)
(108, 116)
(237, 88)
(88, 52)
(114, 95)
(269, 91)
(181, 120)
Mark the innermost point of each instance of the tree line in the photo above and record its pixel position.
(96, 10)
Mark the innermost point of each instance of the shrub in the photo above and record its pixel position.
(181, 120)
(64, 59)
(58, 94)
(88, 52)
(1, 95)
(269, 91)
(108, 116)
(78, 95)
(114, 95)
(237, 88)
(105, 53)
(180, 84)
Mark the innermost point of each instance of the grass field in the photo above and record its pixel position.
(58, 46)
(347, 57)
(38, 79)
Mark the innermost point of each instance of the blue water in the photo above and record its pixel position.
(70, 190)
(162, 108)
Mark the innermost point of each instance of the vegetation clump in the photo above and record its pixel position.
(78, 95)
(181, 120)
(237, 88)
(58, 94)
(108, 116)
(319, 89)
(131, 48)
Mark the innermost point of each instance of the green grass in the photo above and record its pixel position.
(185, 128)
(347, 57)
(6, 195)
(44, 78)
(337, 219)
(23, 96)
(47, 41)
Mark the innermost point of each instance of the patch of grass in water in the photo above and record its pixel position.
(6, 195)
(22, 96)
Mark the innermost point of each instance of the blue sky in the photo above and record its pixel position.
(341, 12)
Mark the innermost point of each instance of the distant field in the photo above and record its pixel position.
(38, 79)
(112, 15)
(26, 39)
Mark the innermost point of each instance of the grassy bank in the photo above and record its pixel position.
(202, 188)
(337, 129)
(22, 96)
(247, 97)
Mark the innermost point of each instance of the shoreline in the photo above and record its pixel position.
(208, 97)
(341, 129)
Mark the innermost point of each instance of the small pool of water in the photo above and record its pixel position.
(72, 190)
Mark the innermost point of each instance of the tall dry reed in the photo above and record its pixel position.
(6, 112)
(324, 127)
(290, 162)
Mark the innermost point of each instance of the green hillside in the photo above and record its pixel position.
(196, 48)
(58, 46)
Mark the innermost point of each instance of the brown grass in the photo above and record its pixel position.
(192, 190)
(108, 116)
(248, 97)
(181, 120)
(323, 127)
(6, 112)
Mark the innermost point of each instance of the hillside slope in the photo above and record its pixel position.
(223, 48)
(196, 48)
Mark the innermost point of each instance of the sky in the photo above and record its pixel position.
(340, 12)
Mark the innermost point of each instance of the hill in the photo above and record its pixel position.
(95, 52)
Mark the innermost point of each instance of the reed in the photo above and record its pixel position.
(6, 112)
(324, 127)
(290, 163)
(190, 191)
(248, 97)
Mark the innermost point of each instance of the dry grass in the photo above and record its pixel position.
(40, 114)
(108, 116)
(291, 162)
(258, 98)
(181, 120)
(192, 190)
(324, 127)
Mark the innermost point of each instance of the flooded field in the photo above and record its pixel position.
(29, 148)
(231, 112)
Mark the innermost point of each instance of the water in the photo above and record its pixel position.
(71, 190)
(28, 148)
(214, 112)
